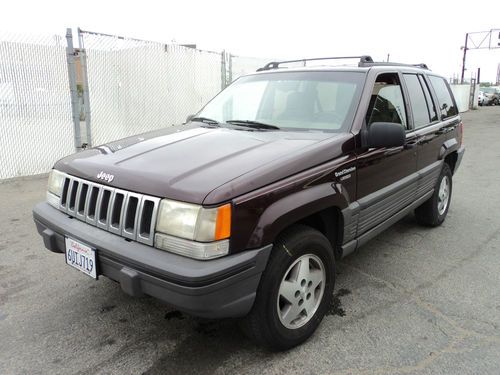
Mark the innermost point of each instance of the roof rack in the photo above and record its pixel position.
(373, 63)
(364, 61)
(275, 64)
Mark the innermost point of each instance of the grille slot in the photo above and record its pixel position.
(117, 210)
(82, 199)
(131, 214)
(92, 204)
(147, 220)
(124, 213)
(64, 195)
(72, 195)
(103, 208)
(146, 214)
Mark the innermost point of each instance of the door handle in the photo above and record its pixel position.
(410, 145)
(444, 130)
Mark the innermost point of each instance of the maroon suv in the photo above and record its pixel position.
(244, 210)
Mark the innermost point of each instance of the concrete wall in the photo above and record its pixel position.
(461, 93)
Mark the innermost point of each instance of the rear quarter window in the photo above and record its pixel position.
(447, 105)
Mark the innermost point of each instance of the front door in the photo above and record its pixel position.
(386, 177)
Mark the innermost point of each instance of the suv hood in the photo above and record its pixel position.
(202, 165)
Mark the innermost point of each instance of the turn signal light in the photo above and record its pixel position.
(223, 222)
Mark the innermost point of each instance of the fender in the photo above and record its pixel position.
(297, 206)
(448, 147)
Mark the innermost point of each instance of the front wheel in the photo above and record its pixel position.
(433, 211)
(295, 290)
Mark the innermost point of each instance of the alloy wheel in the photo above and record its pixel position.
(301, 291)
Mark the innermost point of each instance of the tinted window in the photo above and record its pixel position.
(428, 98)
(417, 99)
(446, 105)
(387, 103)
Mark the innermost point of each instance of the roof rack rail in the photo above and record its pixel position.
(363, 59)
(376, 63)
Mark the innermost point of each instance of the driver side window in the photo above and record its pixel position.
(387, 103)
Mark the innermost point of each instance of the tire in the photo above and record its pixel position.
(270, 322)
(433, 212)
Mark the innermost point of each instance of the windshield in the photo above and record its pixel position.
(323, 101)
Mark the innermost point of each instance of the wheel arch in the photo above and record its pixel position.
(449, 153)
(319, 207)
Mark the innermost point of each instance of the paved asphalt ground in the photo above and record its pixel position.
(412, 301)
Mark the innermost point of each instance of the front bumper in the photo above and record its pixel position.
(218, 288)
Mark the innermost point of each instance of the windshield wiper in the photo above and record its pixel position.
(253, 124)
(206, 120)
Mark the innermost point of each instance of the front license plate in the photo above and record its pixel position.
(81, 257)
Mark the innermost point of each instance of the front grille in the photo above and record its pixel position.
(121, 212)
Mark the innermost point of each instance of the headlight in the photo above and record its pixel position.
(203, 226)
(55, 187)
(194, 222)
(56, 182)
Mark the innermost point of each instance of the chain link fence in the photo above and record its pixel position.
(137, 86)
(55, 97)
(36, 125)
(240, 65)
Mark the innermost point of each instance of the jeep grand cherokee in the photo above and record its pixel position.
(244, 210)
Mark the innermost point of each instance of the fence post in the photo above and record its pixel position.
(230, 70)
(223, 76)
(75, 103)
(86, 100)
(472, 92)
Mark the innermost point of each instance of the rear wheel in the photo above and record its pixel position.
(433, 211)
(295, 290)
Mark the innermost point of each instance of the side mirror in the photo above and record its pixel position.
(386, 134)
(189, 118)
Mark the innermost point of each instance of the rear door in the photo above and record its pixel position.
(435, 115)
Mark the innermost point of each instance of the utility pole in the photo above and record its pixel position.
(463, 61)
(479, 40)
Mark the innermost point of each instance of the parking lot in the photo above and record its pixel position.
(412, 301)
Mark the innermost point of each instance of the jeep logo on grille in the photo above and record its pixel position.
(105, 176)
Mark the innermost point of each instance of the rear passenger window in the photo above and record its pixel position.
(446, 103)
(428, 98)
(418, 102)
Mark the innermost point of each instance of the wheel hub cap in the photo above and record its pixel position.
(301, 291)
(443, 195)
